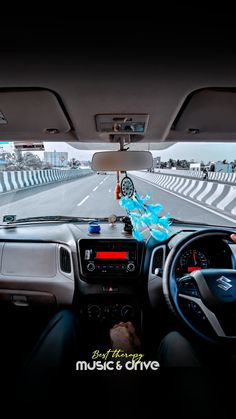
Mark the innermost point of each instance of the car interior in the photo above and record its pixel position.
(94, 87)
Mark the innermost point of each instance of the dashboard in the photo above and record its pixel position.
(52, 262)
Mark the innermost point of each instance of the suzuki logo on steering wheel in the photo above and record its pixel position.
(224, 283)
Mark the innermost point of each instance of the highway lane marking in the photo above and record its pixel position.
(83, 200)
(109, 190)
(191, 202)
(96, 187)
(101, 182)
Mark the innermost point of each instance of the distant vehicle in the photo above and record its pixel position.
(101, 173)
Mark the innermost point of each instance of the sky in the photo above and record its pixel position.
(197, 151)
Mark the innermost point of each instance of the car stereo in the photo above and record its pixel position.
(108, 258)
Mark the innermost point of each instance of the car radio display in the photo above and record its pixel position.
(112, 255)
(108, 258)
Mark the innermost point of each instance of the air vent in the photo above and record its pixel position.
(158, 259)
(65, 262)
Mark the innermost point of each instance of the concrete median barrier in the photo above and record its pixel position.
(10, 181)
(217, 176)
(219, 196)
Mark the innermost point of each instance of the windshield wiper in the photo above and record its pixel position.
(59, 218)
(176, 221)
(55, 218)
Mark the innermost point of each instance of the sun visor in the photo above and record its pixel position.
(206, 114)
(33, 114)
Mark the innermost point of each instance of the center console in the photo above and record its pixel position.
(109, 273)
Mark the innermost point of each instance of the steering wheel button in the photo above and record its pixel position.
(197, 310)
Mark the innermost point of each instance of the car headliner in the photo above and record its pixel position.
(94, 69)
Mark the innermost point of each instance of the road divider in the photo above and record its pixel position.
(221, 197)
(10, 181)
(214, 176)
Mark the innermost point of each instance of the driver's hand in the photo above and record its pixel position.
(124, 337)
(233, 237)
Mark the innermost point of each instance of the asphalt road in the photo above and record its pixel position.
(93, 196)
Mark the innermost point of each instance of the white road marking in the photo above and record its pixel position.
(101, 182)
(109, 190)
(193, 202)
(96, 187)
(83, 200)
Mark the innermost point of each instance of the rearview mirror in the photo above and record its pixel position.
(122, 160)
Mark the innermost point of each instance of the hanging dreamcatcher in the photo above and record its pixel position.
(127, 186)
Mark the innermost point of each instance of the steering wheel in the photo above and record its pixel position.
(211, 292)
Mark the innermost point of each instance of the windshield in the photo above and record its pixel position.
(193, 182)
